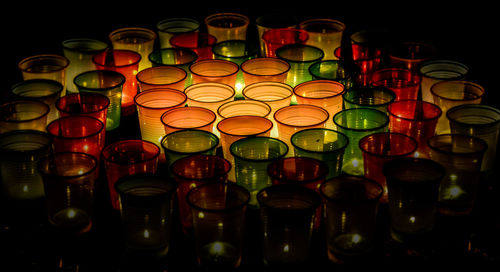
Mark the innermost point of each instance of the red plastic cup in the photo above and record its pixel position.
(126, 62)
(415, 118)
(403, 82)
(277, 37)
(201, 43)
(128, 157)
(84, 104)
(192, 171)
(76, 133)
(378, 148)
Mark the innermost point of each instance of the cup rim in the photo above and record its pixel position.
(227, 165)
(463, 83)
(305, 46)
(243, 64)
(105, 98)
(211, 210)
(160, 90)
(10, 103)
(294, 190)
(192, 130)
(110, 147)
(382, 88)
(189, 107)
(264, 104)
(59, 87)
(208, 84)
(167, 20)
(411, 139)
(485, 107)
(243, 17)
(136, 61)
(274, 83)
(342, 178)
(147, 176)
(81, 154)
(161, 67)
(477, 140)
(321, 164)
(65, 45)
(175, 49)
(440, 112)
(220, 61)
(385, 123)
(319, 129)
(233, 118)
(320, 81)
(278, 111)
(64, 60)
(259, 138)
(121, 80)
(131, 30)
(54, 122)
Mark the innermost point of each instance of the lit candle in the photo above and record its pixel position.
(219, 254)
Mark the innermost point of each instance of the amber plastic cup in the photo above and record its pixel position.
(326, 94)
(86, 104)
(436, 70)
(23, 114)
(162, 77)
(462, 157)
(278, 37)
(450, 93)
(244, 107)
(325, 34)
(43, 90)
(294, 118)
(214, 70)
(126, 62)
(151, 104)
(379, 148)
(210, 95)
(192, 171)
(45, 66)
(404, 83)
(201, 43)
(415, 118)
(128, 157)
(234, 128)
(188, 118)
(227, 26)
(481, 121)
(264, 69)
(138, 39)
(276, 94)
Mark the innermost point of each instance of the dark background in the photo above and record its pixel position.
(462, 33)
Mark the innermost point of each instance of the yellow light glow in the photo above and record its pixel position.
(216, 249)
(71, 213)
(286, 248)
(201, 215)
(85, 148)
(416, 154)
(355, 163)
(146, 233)
(412, 219)
(26, 188)
(356, 238)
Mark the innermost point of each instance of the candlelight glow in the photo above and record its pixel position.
(146, 234)
(286, 248)
(71, 213)
(412, 219)
(355, 163)
(216, 248)
(356, 238)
